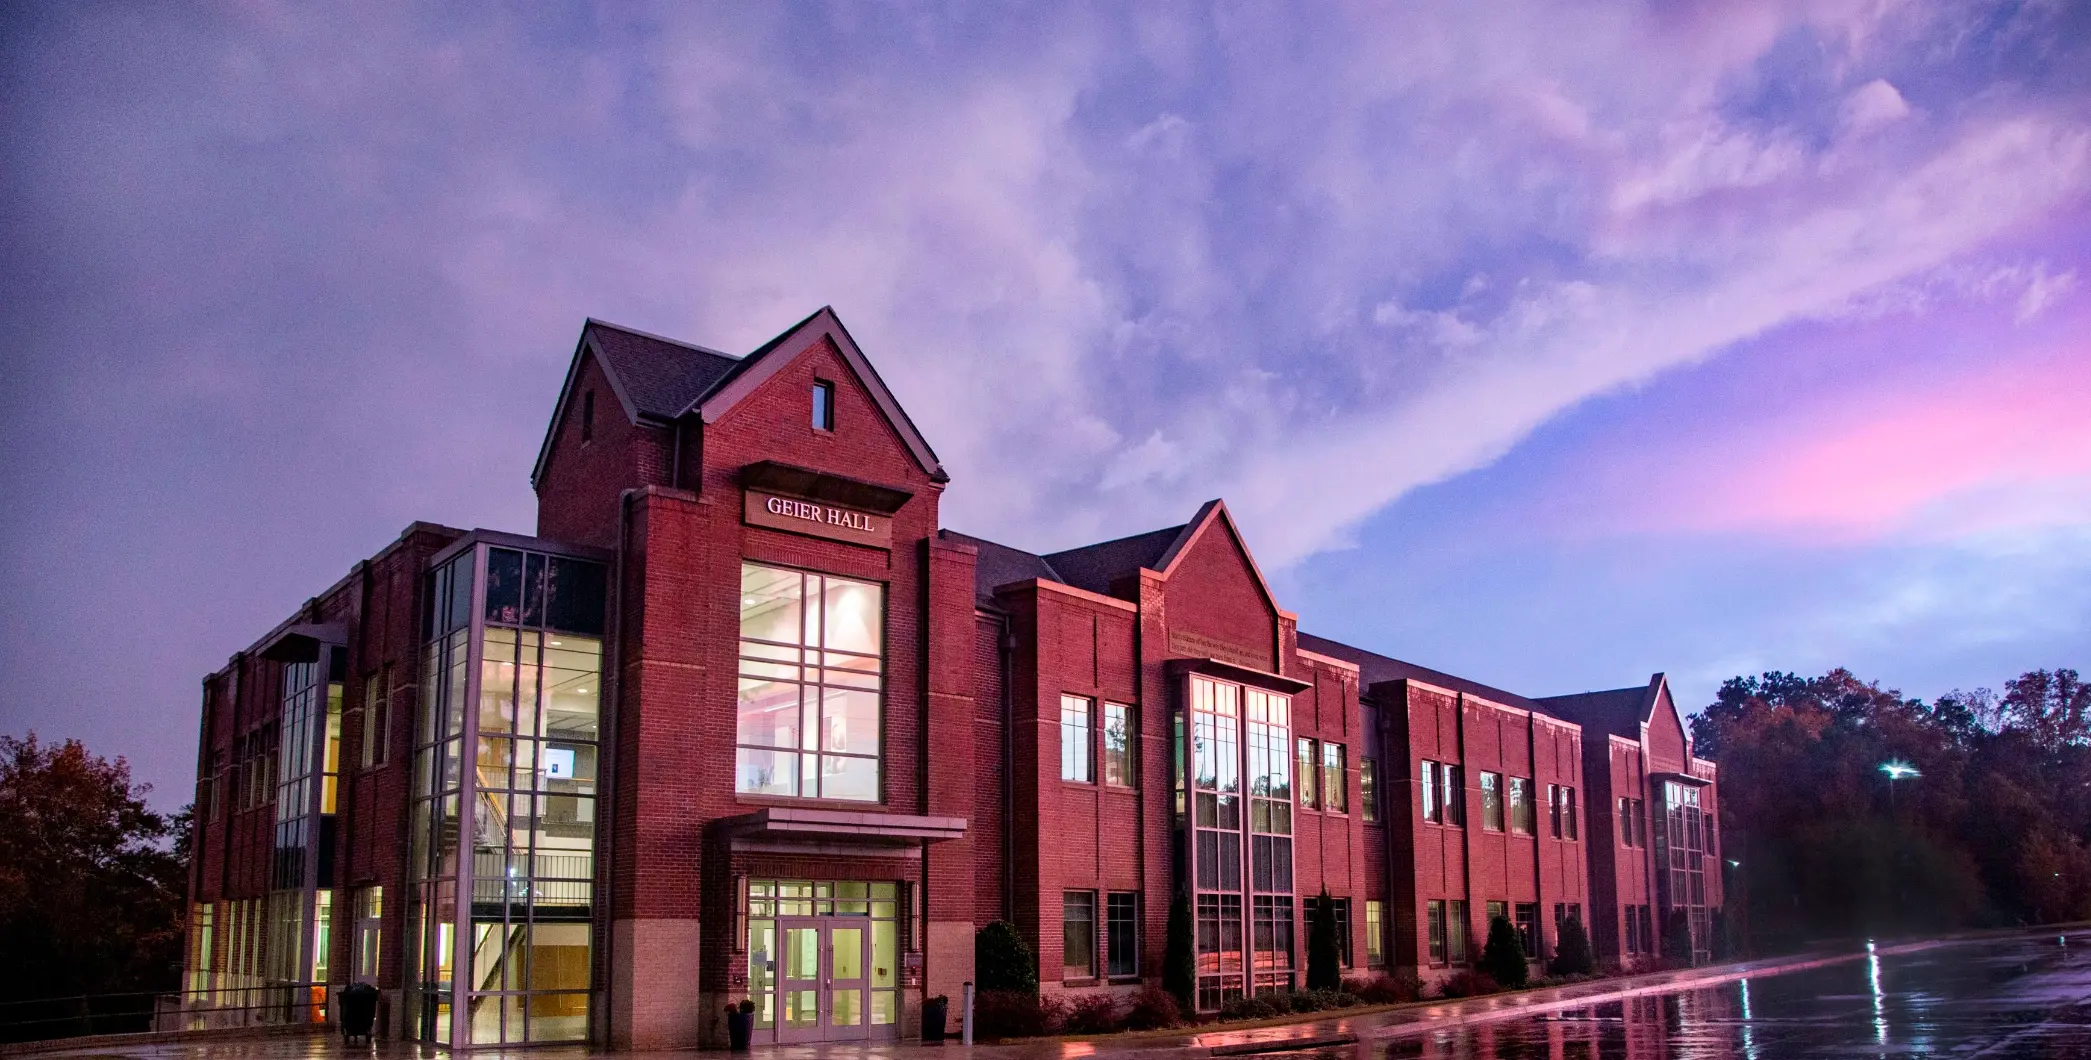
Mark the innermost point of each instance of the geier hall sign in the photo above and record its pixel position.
(799, 516)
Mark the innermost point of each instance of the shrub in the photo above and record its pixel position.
(1002, 960)
(1179, 964)
(1677, 939)
(1504, 956)
(1572, 954)
(1152, 1009)
(1387, 989)
(1248, 1008)
(1324, 955)
(1467, 984)
(1014, 1014)
(1092, 1014)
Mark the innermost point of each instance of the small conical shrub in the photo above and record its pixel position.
(1503, 959)
(1002, 960)
(1572, 954)
(1677, 939)
(1324, 958)
(1179, 963)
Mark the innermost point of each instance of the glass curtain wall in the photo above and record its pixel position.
(512, 682)
(293, 954)
(1240, 861)
(1680, 851)
(812, 654)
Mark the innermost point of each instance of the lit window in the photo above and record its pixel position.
(823, 406)
(1434, 918)
(1078, 935)
(1335, 789)
(1375, 931)
(811, 662)
(1310, 768)
(1368, 789)
(1522, 815)
(1076, 732)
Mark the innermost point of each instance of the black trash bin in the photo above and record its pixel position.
(359, 1012)
(933, 1012)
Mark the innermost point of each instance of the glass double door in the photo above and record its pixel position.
(823, 983)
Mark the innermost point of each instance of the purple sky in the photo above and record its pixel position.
(1549, 344)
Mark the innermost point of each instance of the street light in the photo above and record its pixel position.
(1896, 770)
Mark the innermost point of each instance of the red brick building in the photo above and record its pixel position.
(742, 720)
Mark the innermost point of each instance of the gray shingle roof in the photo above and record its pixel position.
(1095, 567)
(661, 377)
(1619, 710)
(1374, 668)
(999, 565)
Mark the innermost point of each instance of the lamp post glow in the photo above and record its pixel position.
(1897, 770)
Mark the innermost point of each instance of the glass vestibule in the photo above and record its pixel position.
(1240, 857)
(824, 958)
(511, 684)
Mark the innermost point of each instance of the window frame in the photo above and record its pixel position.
(761, 659)
(1492, 797)
(822, 400)
(1131, 924)
(1078, 736)
(1127, 759)
(1436, 939)
(1521, 813)
(1375, 933)
(1335, 779)
(1307, 771)
(1368, 789)
(1067, 905)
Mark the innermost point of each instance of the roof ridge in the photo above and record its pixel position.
(1177, 529)
(691, 346)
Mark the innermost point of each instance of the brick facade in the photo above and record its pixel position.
(978, 815)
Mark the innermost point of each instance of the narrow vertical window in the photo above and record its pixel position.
(1368, 789)
(1553, 810)
(1335, 787)
(823, 406)
(1568, 812)
(1626, 822)
(1492, 802)
(1078, 935)
(1076, 733)
(1375, 934)
(1122, 923)
(1118, 745)
(1429, 782)
(588, 415)
(1521, 815)
(1453, 790)
(1527, 921)
(1456, 931)
(1434, 918)
(1310, 768)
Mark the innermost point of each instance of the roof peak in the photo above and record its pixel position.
(598, 322)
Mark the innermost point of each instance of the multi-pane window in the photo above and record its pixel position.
(377, 717)
(1568, 814)
(812, 659)
(1238, 746)
(1368, 789)
(1434, 921)
(1375, 933)
(1271, 942)
(369, 923)
(1521, 809)
(1309, 773)
(1078, 935)
(1452, 790)
(1122, 933)
(1526, 917)
(875, 905)
(1077, 734)
(1626, 822)
(1335, 790)
(1492, 802)
(1119, 756)
(1433, 807)
(1631, 921)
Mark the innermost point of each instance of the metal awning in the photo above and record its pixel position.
(1247, 675)
(789, 823)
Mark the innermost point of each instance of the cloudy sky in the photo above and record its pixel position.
(1553, 344)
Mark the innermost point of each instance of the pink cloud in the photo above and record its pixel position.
(1997, 448)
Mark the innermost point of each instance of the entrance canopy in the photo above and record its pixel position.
(853, 827)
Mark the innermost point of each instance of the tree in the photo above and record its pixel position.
(1503, 958)
(1002, 960)
(1572, 955)
(1324, 955)
(91, 896)
(1179, 963)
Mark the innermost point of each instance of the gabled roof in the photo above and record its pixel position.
(998, 565)
(661, 380)
(1095, 567)
(1620, 711)
(1374, 668)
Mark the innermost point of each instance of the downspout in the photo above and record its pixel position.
(613, 792)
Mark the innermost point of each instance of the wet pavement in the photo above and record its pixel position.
(2021, 996)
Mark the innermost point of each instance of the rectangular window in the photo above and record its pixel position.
(1527, 920)
(1375, 934)
(812, 660)
(1492, 802)
(1428, 784)
(1368, 789)
(1335, 787)
(1309, 772)
(1452, 790)
(1521, 809)
(377, 717)
(1626, 822)
(823, 406)
(1568, 813)
(1496, 911)
(1076, 736)
(1122, 913)
(1119, 755)
(369, 913)
(1078, 935)
(1553, 810)
(1456, 932)
(1640, 822)
(1632, 922)
(1434, 921)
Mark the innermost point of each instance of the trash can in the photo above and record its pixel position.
(933, 1013)
(359, 1011)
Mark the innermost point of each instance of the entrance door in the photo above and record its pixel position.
(823, 988)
